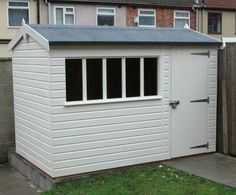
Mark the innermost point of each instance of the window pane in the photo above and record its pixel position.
(214, 22)
(132, 77)
(74, 87)
(106, 11)
(59, 15)
(94, 79)
(147, 12)
(69, 19)
(18, 4)
(150, 76)
(105, 20)
(180, 23)
(181, 14)
(16, 16)
(71, 10)
(147, 20)
(114, 78)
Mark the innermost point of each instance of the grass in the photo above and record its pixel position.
(148, 179)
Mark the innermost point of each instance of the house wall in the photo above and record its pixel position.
(87, 138)
(32, 103)
(9, 32)
(84, 14)
(164, 16)
(228, 23)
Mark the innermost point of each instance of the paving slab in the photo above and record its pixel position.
(13, 183)
(215, 167)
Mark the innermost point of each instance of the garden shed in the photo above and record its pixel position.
(95, 98)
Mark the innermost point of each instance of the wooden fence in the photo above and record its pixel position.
(226, 117)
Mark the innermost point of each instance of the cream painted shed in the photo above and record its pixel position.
(95, 98)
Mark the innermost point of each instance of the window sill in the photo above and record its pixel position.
(14, 27)
(91, 102)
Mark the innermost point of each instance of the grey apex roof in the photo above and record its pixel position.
(167, 3)
(80, 35)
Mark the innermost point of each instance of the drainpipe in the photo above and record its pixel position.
(38, 12)
(196, 11)
(49, 11)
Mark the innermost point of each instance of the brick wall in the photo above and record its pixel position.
(7, 132)
(164, 17)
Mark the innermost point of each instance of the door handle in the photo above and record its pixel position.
(174, 103)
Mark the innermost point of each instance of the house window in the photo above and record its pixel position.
(106, 17)
(146, 18)
(111, 79)
(17, 10)
(181, 19)
(214, 23)
(64, 15)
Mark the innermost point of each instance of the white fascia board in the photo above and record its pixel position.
(27, 30)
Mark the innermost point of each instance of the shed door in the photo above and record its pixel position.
(189, 119)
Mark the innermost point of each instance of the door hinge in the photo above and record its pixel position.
(201, 146)
(202, 54)
(207, 100)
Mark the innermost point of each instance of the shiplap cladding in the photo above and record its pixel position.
(32, 103)
(93, 137)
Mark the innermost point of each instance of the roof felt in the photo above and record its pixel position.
(65, 34)
(167, 3)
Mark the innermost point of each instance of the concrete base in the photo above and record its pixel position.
(215, 167)
(31, 172)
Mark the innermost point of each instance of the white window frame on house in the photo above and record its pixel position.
(182, 18)
(106, 14)
(147, 15)
(105, 99)
(64, 13)
(17, 7)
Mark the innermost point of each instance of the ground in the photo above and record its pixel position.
(143, 179)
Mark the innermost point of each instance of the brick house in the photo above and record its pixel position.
(148, 13)
(216, 18)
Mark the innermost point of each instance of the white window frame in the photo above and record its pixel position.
(15, 7)
(106, 14)
(184, 18)
(123, 79)
(154, 11)
(64, 13)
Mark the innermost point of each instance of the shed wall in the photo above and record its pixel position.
(93, 137)
(32, 103)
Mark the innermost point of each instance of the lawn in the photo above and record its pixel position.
(145, 179)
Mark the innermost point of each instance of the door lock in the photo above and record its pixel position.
(174, 103)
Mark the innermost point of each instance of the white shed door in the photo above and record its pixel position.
(189, 119)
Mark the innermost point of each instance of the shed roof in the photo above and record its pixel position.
(81, 35)
(61, 34)
(166, 3)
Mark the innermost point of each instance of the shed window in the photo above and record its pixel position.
(150, 76)
(64, 15)
(132, 77)
(114, 78)
(111, 79)
(74, 80)
(181, 19)
(146, 18)
(17, 10)
(106, 17)
(94, 79)
(214, 23)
